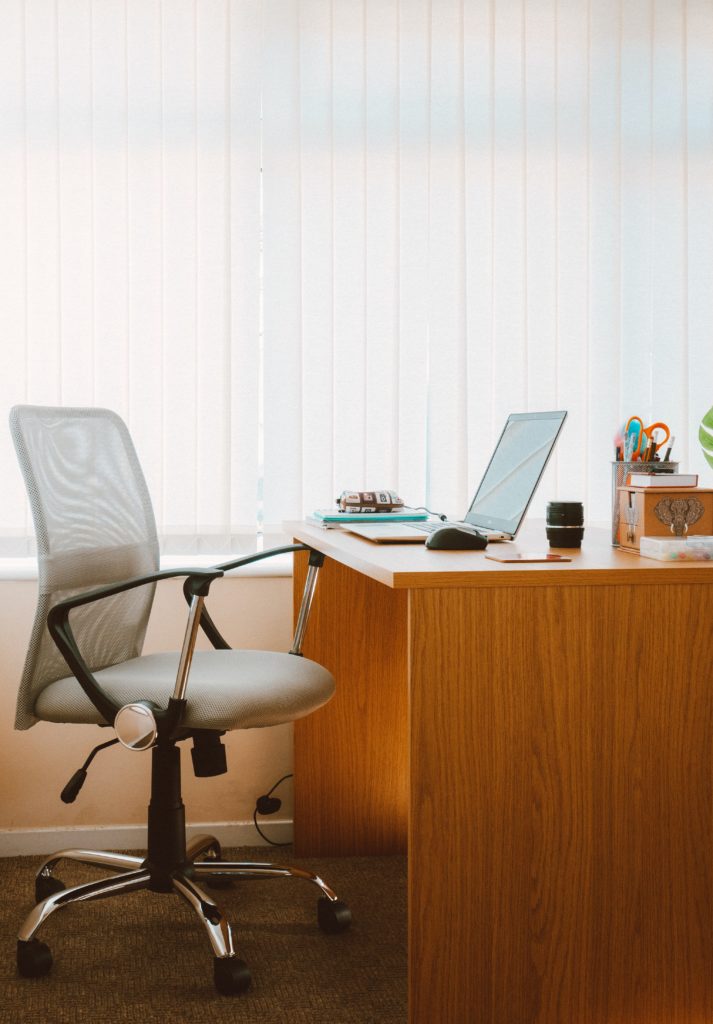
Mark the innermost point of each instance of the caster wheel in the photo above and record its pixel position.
(333, 916)
(231, 975)
(47, 885)
(34, 959)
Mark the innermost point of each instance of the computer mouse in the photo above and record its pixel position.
(456, 538)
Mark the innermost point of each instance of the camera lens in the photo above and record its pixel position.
(565, 524)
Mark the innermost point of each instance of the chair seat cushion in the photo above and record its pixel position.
(226, 689)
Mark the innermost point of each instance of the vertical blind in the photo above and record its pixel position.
(305, 245)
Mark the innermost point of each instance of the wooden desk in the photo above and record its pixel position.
(540, 739)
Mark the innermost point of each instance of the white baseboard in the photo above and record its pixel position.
(17, 842)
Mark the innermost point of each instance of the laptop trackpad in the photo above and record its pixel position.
(387, 533)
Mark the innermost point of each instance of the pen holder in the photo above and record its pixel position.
(619, 478)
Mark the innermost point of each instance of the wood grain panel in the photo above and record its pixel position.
(561, 835)
(414, 567)
(351, 757)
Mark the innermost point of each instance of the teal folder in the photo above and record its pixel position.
(333, 515)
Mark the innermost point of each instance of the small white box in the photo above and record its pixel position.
(677, 549)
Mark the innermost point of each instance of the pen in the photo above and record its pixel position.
(667, 456)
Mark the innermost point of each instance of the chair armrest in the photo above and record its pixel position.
(204, 576)
(199, 581)
(258, 555)
(207, 625)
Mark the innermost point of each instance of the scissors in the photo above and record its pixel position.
(638, 435)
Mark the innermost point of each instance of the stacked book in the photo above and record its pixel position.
(662, 480)
(332, 518)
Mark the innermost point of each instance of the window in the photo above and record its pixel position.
(304, 246)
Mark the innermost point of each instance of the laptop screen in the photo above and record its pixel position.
(514, 471)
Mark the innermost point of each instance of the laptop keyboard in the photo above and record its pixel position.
(427, 527)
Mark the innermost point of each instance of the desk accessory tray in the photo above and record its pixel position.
(677, 549)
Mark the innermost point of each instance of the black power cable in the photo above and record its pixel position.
(269, 804)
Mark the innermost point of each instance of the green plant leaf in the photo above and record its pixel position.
(705, 436)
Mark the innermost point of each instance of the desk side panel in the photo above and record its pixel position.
(561, 776)
(351, 756)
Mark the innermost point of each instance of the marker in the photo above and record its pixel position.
(667, 456)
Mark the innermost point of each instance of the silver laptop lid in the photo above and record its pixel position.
(514, 471)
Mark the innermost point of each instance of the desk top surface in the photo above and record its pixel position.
(412, 566)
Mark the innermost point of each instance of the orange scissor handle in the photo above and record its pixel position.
(645, 432)
(658, 426)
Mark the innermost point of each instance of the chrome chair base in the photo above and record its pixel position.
(203, 861)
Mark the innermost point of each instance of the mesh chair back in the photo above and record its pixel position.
(94, 525)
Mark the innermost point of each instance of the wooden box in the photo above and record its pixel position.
(663, 512)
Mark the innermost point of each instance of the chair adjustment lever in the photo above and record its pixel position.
(71, 791)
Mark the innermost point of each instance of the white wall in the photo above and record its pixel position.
(35, 765)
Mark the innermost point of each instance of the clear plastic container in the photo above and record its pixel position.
(677, 549)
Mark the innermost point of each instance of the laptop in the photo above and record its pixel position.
(505, 492)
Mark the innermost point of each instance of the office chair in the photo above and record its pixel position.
(98, 567)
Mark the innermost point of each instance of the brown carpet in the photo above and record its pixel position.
(146, 957)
